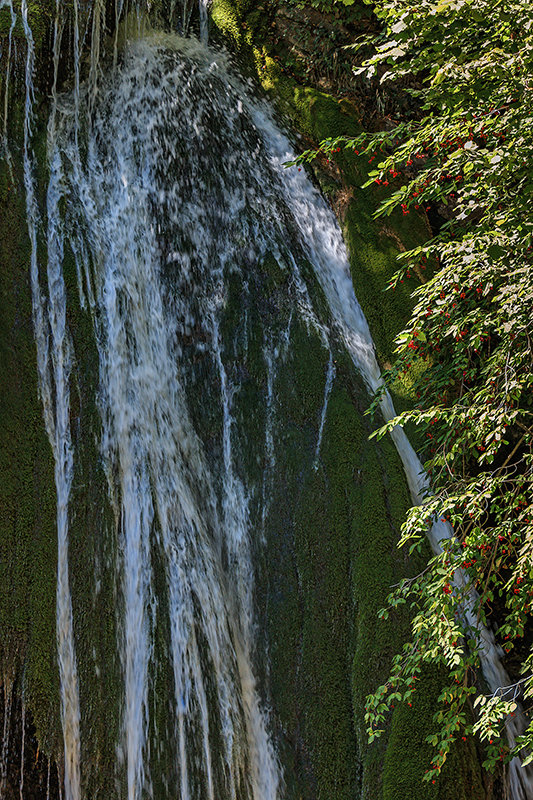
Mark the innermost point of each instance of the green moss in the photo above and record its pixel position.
(227, 18)
(240, 22)
(333, 532)
(40, 16)
(309, 588)
(408, 755)
(27, 495)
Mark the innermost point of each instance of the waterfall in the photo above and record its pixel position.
(163, 228)
(53, 371)
(22, 746)
(167, 179)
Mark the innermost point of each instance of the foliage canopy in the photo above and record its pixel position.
(464, 155)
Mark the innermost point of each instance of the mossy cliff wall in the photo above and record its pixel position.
(27, 496)
(28, 538)
(29, 678)
(331, 531)
(333, 554)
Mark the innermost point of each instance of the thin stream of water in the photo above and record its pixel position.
(53, 371)
(22, 752)
(9, 5)
(327, 253)
(8, 704)
(330, 377)
(63, 457)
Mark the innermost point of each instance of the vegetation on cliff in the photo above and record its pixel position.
(464, 156)
(397, 769)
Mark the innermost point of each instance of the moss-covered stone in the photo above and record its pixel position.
(333, 532)
(28, 537)
(28, 548)
(373, 245)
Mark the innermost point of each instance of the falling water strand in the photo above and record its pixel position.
(119, 7)
(76, 46)
(59, 24)
(203, 8)
(172, 17)
(57, 427)
(8, 702)
(48, 781)
(121, 286)
(8, 4)
(270, 363)
(235, 506)
(330, 377)
(326, 251)
(98, 11)
(22, 751)
(186, 14)
(63, 456)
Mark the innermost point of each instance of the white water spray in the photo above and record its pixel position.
(141, 129)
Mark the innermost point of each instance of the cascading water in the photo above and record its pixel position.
(54, 371)
(326, 251)
(173, 181)
(153, 211)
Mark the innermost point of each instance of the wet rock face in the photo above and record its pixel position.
(24, 771)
